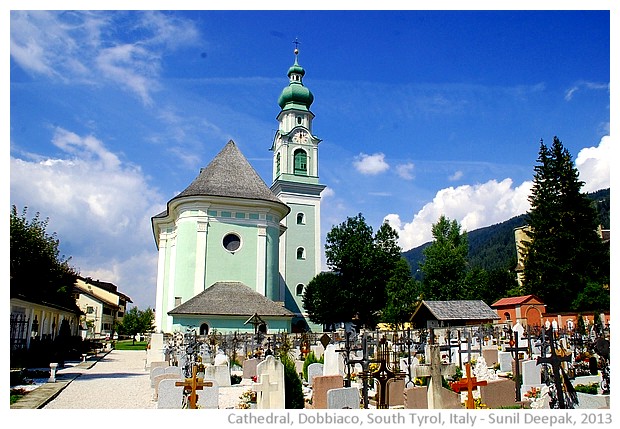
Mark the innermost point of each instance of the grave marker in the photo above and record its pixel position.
(436, 370)
(470, 383)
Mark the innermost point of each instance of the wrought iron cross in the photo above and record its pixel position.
(555, 361)
(515, 349)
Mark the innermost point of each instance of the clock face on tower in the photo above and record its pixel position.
(300, 137)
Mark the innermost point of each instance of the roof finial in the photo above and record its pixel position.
(297, 43)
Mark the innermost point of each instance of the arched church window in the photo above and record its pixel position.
(301, 219)
(301, 162)
(301, 253)
(299, 120)
(231, 242)
(204, 329)
(300, 289)
(278, 164)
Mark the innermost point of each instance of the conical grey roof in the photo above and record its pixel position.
(231, 299)
(230, 175)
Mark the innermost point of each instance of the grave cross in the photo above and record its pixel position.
(384, 373)
(191, 385)
(468, 384)
(365, 363)
(435, 370)
(346, 353)
(468, 350)
(265, 387)
(450, 346)
(408, 342)
(515, 349)
(556, 361)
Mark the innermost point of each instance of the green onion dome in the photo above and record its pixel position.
(295, 95)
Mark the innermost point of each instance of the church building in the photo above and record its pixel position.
(233, 250)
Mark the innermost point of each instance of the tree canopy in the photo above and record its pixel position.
(445, 264)
(403, 294)
(38, 272)
(564, 255)
(137, 321)
(361, 264)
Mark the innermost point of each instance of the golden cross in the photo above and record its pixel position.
(193, 384)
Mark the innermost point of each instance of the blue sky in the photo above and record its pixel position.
(421, 113)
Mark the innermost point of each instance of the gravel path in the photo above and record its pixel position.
(118, 381)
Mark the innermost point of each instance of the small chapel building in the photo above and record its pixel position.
(231, 247)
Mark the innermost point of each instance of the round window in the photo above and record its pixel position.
(231, 242)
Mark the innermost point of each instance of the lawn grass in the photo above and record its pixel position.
(130, 345)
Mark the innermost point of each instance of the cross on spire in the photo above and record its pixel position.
(297, 43)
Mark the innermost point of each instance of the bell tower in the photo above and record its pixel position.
(296, 183)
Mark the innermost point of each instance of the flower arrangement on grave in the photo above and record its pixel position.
(532, 394)
(247, 398)
(478, 404)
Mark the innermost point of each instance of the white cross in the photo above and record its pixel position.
(435, 370)
(264, 389)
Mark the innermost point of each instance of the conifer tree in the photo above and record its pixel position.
(564, 251)
(445, 264)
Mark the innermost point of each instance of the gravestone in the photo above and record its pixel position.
(321, 385)
(343, 398)
(249, 367)
(396, 393)
(505, 361)
(490, 355)
(314, 370)
(416, 397)
(156, 351)
(155, 372)
(173, 370)
(435, 370)
(530, 373)
(270, 385)
(498, 393)
(158, 379)
(318, 350)
(208, 398)
(333, 363)
(169, 395)
(218, 373)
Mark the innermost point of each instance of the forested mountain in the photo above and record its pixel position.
(494, 247)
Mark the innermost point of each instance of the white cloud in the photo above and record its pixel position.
(456, 176)
(593, 164)
(328, 192)
(473, 206)
(570, 92)
(67, 46)
(405, 171)
(371, 164)
(98, 205)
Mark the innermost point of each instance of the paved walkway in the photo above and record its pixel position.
(116, 380)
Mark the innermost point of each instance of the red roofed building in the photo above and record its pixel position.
(527, 309)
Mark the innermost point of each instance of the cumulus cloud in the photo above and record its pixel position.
(405, 171)
(593, 165)
(371, 164)
(98, 205)
(473, 206)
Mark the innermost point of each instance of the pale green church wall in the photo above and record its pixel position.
(230, 324)
(185, 260)
(272, 277)
(300, 271)
(223, 265)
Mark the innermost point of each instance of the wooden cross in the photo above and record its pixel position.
(515, 349)
(435, 370)
(468, 384)
(555, 361)
(265, 387)
(191, 385)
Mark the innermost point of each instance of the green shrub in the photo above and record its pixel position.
(293, 392)
(591, 389)
(310, 359)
